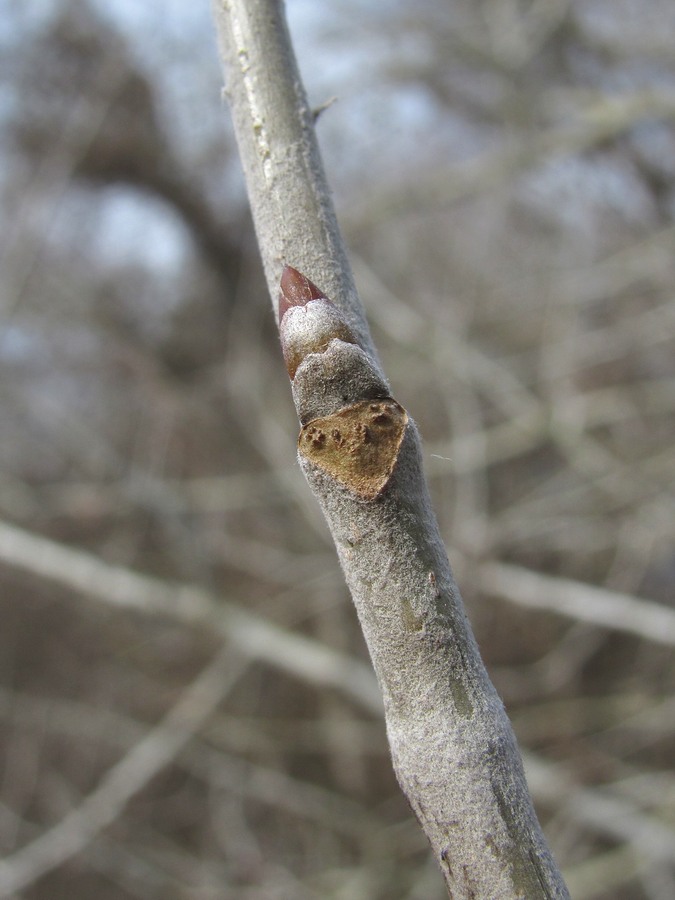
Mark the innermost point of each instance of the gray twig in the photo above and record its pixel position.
(452, 745)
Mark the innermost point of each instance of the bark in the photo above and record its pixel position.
(452, 745)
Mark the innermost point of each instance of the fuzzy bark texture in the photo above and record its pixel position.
(452, 745)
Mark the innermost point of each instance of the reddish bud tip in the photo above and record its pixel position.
(296, 290)
(312, 321)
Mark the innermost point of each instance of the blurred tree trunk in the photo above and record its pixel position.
(452, 745)
(81, 83)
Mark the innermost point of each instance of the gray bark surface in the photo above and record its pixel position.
(452, 745)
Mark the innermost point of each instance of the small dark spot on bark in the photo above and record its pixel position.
(362, 433)
(445, 854)
(316, 437)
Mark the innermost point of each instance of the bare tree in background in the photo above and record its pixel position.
(186, 704)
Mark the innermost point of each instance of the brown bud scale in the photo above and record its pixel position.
(296, 290)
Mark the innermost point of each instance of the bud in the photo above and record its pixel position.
(308, 321)
(352, 430)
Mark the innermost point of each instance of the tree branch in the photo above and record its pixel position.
(253, 636)
(288, 192)
(452, 745)
(636, 616)
(125, 779)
